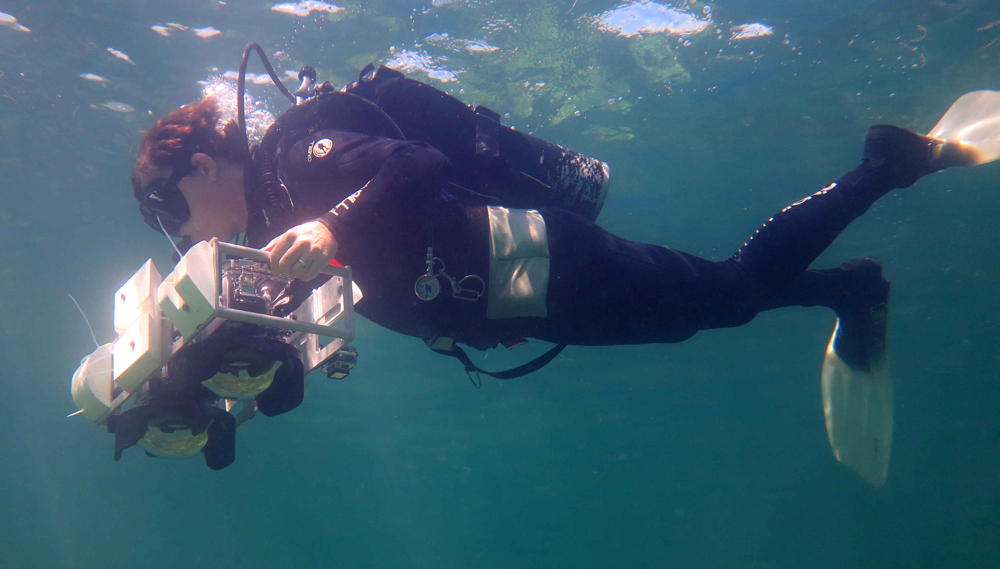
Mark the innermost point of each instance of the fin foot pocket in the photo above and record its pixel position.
(901, 155)
(862, 312)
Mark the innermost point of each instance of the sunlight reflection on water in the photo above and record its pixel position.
(646, 17)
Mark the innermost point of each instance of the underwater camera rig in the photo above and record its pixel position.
(206, 348)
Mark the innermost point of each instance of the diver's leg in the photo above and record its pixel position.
(858, 281)
(859, 293)
(608, 290)
(775, 258)
(855, 383)
(789, 242)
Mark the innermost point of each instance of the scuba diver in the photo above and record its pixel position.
(460, 230)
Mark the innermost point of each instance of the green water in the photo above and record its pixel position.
(706, 454)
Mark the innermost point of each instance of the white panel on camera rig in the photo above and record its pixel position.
(189, 296)
(113, 372)
(137, 296)
(138, 351)
(327, 306)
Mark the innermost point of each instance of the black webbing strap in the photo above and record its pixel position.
(474, 371)
(487, 133)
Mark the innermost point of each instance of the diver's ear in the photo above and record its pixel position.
(205, 165)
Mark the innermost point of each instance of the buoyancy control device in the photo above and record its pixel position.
(500, 165)
(492, 164)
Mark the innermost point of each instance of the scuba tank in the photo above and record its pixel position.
(497, 163)
(492, 164)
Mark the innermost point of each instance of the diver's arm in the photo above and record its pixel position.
(409, 176)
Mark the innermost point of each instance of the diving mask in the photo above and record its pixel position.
(161, 202)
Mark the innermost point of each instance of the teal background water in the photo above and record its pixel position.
(706, 454)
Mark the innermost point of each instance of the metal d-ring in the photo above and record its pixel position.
(462, 292)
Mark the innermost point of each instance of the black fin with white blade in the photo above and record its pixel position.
(858, 395)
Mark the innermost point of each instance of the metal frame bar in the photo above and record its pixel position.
(344, 320)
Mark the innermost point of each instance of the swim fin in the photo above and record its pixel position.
(857, 394)
(970, 129)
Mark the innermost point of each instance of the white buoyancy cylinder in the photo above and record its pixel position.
(92, 387)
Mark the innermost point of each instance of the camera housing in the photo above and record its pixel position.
(203, 349)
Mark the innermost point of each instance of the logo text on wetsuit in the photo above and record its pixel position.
(345, 205)
(319, 149)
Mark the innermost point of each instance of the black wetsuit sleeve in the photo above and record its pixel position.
(407, 179)
(372, 193)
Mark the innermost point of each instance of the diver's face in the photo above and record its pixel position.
(215, 198)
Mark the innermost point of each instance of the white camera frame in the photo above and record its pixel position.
(151, 311)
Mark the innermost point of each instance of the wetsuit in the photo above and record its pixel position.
(387, 201)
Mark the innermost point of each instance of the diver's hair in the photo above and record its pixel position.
(174, 139)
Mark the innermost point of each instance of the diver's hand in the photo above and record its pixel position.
(302, 251)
